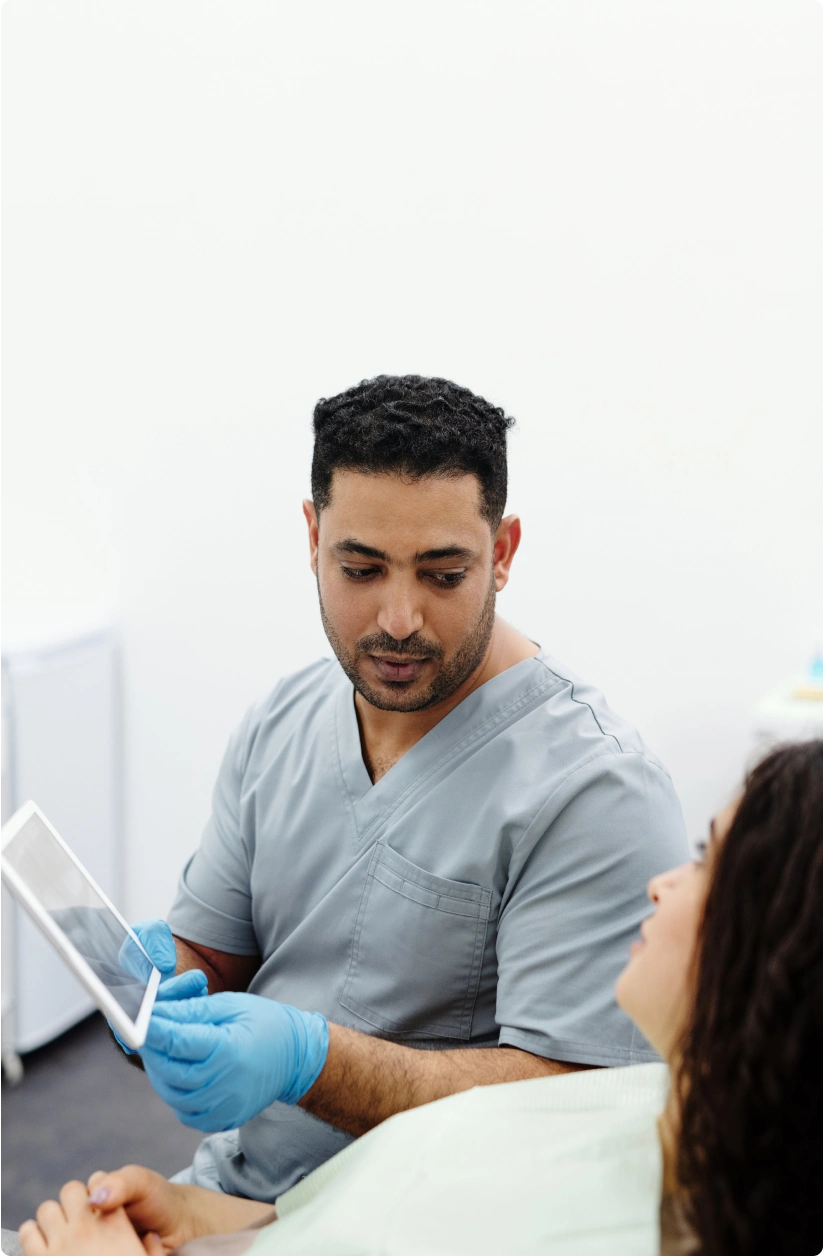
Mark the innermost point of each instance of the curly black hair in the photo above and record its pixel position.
(416, 426)
(750, 1073)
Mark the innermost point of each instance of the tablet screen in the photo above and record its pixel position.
(74, 905)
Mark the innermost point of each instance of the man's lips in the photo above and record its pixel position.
(397, 669)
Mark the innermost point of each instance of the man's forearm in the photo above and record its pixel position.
(223, 971)
(366, 1080)
(188, 958)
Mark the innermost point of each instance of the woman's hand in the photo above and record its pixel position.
(152, 1204)
(74, 1228)
(175, 1212)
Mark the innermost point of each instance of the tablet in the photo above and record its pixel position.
(82, 925)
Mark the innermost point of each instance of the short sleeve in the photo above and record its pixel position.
(574, 902)
(213, 902)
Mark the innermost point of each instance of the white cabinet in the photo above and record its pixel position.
(62, 747)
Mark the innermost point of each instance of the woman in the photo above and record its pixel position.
(727, 983)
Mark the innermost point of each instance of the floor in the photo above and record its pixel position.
(81, 1107)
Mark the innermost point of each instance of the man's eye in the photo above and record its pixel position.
(359, 573)
(700, 849)
(447, 579)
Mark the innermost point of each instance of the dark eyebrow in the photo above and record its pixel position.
(447, 551)
(711, 830)
(352, 546)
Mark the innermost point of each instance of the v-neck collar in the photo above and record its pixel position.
(487, 705)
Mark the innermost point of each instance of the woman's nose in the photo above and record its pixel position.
(665, 881)
(654, 887)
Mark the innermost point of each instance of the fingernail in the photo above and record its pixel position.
(100, 1195)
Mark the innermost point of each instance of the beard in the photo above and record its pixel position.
(395, 695)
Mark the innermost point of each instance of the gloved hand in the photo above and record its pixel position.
(219, 1061)
(156, 938)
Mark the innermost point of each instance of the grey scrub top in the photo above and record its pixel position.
(485, 891)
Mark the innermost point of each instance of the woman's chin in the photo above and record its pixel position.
(633, 992)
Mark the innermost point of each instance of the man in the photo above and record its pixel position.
(436, 845)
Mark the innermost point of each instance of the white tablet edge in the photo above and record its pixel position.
(132, 1032)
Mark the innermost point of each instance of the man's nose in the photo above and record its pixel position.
(399, 616)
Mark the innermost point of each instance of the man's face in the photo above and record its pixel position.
(407, 577)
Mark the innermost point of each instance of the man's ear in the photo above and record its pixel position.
(506, 541)
(311, 519)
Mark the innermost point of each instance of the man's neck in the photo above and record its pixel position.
(385, 736)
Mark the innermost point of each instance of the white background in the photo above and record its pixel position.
(604, 216)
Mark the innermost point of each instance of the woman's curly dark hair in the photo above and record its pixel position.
(414, 425)
(750, 1072)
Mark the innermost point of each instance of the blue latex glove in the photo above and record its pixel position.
(156, 937)
(219, 1061)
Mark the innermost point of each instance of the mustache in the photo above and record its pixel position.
(413, 647)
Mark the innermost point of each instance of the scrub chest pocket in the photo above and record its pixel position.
(417, 950)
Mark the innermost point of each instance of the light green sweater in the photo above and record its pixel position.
(568, 1165)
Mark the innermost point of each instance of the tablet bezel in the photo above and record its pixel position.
(132, 1032)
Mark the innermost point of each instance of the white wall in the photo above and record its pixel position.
(606, 217)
